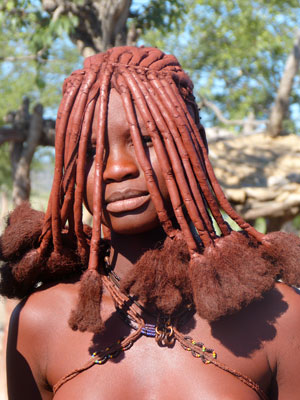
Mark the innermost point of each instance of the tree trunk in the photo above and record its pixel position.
(3, 208)
(22, 153)
(102, 23)
(280, 107)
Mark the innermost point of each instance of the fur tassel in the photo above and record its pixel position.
(86, 316)
(229, 275)
(19, 280)
(160, 277)
(28, 268)
(24, 226)
(65, 263)
(284, 249)
(24, 268)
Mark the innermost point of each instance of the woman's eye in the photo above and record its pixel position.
(147, 140)
(91, 151)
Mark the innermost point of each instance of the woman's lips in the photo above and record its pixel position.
(128, 204)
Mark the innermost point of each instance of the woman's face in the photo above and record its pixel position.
(128, 208)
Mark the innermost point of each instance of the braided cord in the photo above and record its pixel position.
(143, 159)
(164, 337)
(208, 356)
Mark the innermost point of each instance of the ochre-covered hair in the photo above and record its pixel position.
(220, 274)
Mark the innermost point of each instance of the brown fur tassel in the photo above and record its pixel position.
(86, 316)
(24, 268)
(284, 249)
(30, 262)
(24, 226)
(19, 280)
(230, 275)
(160, 277)
(64, 263)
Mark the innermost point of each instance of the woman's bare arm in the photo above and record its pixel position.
(26, 358)
(287, 347)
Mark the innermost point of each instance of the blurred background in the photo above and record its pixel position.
(242, 55)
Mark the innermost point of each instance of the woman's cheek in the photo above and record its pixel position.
(89, 188)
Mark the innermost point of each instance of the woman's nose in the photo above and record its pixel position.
(119, 167)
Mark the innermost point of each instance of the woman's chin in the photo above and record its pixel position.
(132, 225)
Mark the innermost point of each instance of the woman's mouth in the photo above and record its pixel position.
(123, 202)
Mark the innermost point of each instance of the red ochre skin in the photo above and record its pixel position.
(42, 348)
(262, 341)
(128, 207)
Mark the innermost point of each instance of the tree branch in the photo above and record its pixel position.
(11, 135)
(37, 57)
(206, 103)
(14, 135)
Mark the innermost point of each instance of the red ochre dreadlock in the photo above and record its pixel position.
(219, 274)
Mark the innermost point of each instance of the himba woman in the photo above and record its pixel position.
(160, 299)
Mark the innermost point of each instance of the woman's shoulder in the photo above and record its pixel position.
(284, 348)
(280, 307)
(36, 317)
(34, 324)
(46, 305)
(289, 299)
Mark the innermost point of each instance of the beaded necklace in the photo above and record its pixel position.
(165, 332)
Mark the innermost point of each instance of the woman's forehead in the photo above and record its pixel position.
(116, 114)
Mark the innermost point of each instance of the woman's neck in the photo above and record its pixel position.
(127, 249)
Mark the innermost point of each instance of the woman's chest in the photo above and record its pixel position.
(148, 372)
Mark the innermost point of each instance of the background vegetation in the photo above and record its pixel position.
(235, 51)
